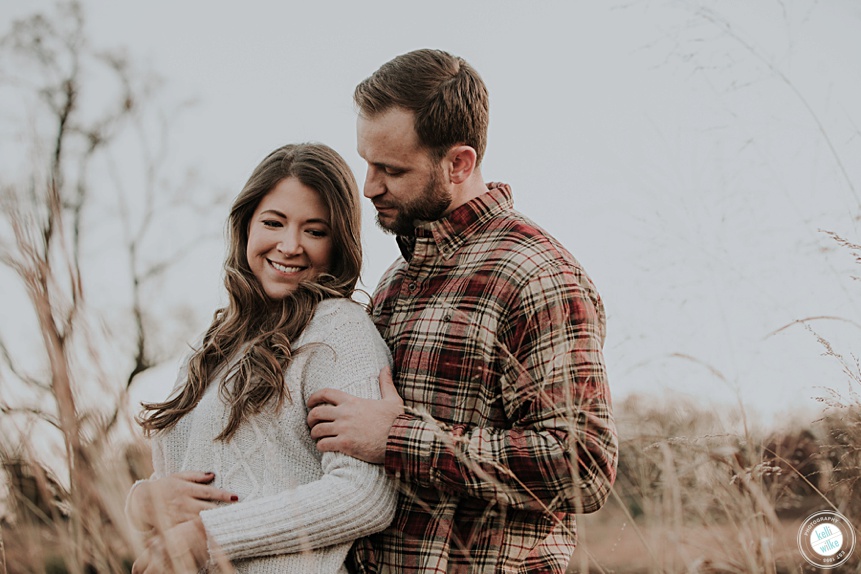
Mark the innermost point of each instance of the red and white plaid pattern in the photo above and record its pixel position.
(496, 334)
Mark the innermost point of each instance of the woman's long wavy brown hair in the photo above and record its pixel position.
(253, 332)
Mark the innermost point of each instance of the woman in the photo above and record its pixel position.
(239, 413)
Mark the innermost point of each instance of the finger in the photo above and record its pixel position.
(323, 430)
(200, 507)
(194, 510)
(179, 559)
(321, 414)
(194, 476)
(387, 385)
(327, 396)
(190, 511)
(213, 494)
(146, 560)
(146, 564)
(329, 445)
(178, 484)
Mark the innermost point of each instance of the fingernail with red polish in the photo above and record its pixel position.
(234, 498)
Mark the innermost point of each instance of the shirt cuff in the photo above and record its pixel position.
(408, 449)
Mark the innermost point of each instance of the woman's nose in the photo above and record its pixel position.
(290, 244)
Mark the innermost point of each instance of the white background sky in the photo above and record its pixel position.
(679, 149)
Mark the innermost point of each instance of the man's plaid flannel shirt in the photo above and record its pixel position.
(496, 334)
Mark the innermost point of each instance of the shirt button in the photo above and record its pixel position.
(413, 286)
(446, 318)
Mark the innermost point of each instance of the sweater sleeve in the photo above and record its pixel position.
(352, 498)
(158, 458)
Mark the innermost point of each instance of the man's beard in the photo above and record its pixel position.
(430, 205)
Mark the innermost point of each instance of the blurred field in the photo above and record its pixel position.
(691, 496)
(609, 538)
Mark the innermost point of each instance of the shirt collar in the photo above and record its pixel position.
(451, 231)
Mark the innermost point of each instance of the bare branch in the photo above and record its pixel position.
(45, 244)
(23, 377)
(725, 26)
(31, 411)
(807, 320)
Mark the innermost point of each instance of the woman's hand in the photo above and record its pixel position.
(178, 550)
(164, 503)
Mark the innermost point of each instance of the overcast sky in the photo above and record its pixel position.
(687, 153)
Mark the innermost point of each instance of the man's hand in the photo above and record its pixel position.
(178, 550)
(166, 502)
(357, 427)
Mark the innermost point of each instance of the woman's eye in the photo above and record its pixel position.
(271, 223)
(317, 233)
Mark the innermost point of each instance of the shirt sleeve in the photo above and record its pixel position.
(559, 452)
(352, 498)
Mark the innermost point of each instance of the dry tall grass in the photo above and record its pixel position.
(69, 128)
(44, 530)
(689, 498)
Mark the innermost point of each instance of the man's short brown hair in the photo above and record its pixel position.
(447, 96)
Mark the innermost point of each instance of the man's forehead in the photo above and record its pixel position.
(398, 120)
(391, 131)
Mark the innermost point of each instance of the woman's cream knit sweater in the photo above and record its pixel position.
(299, 510)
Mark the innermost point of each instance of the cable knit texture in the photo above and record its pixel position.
(298, 510)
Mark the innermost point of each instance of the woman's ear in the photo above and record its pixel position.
(462, 162)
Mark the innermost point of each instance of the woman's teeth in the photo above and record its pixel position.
(284, 268)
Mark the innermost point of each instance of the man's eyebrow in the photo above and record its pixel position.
(385, 165)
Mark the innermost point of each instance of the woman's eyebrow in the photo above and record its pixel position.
(274, 212)
(283, 216)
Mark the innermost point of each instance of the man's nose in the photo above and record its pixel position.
(373, 183)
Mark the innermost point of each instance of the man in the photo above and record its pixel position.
(498, 425)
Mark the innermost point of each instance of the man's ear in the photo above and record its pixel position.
(462, 162)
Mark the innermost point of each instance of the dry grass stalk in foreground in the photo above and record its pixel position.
(39, 510)
(687, 499)
(81, 105)
(2, 554)
(690, 498)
